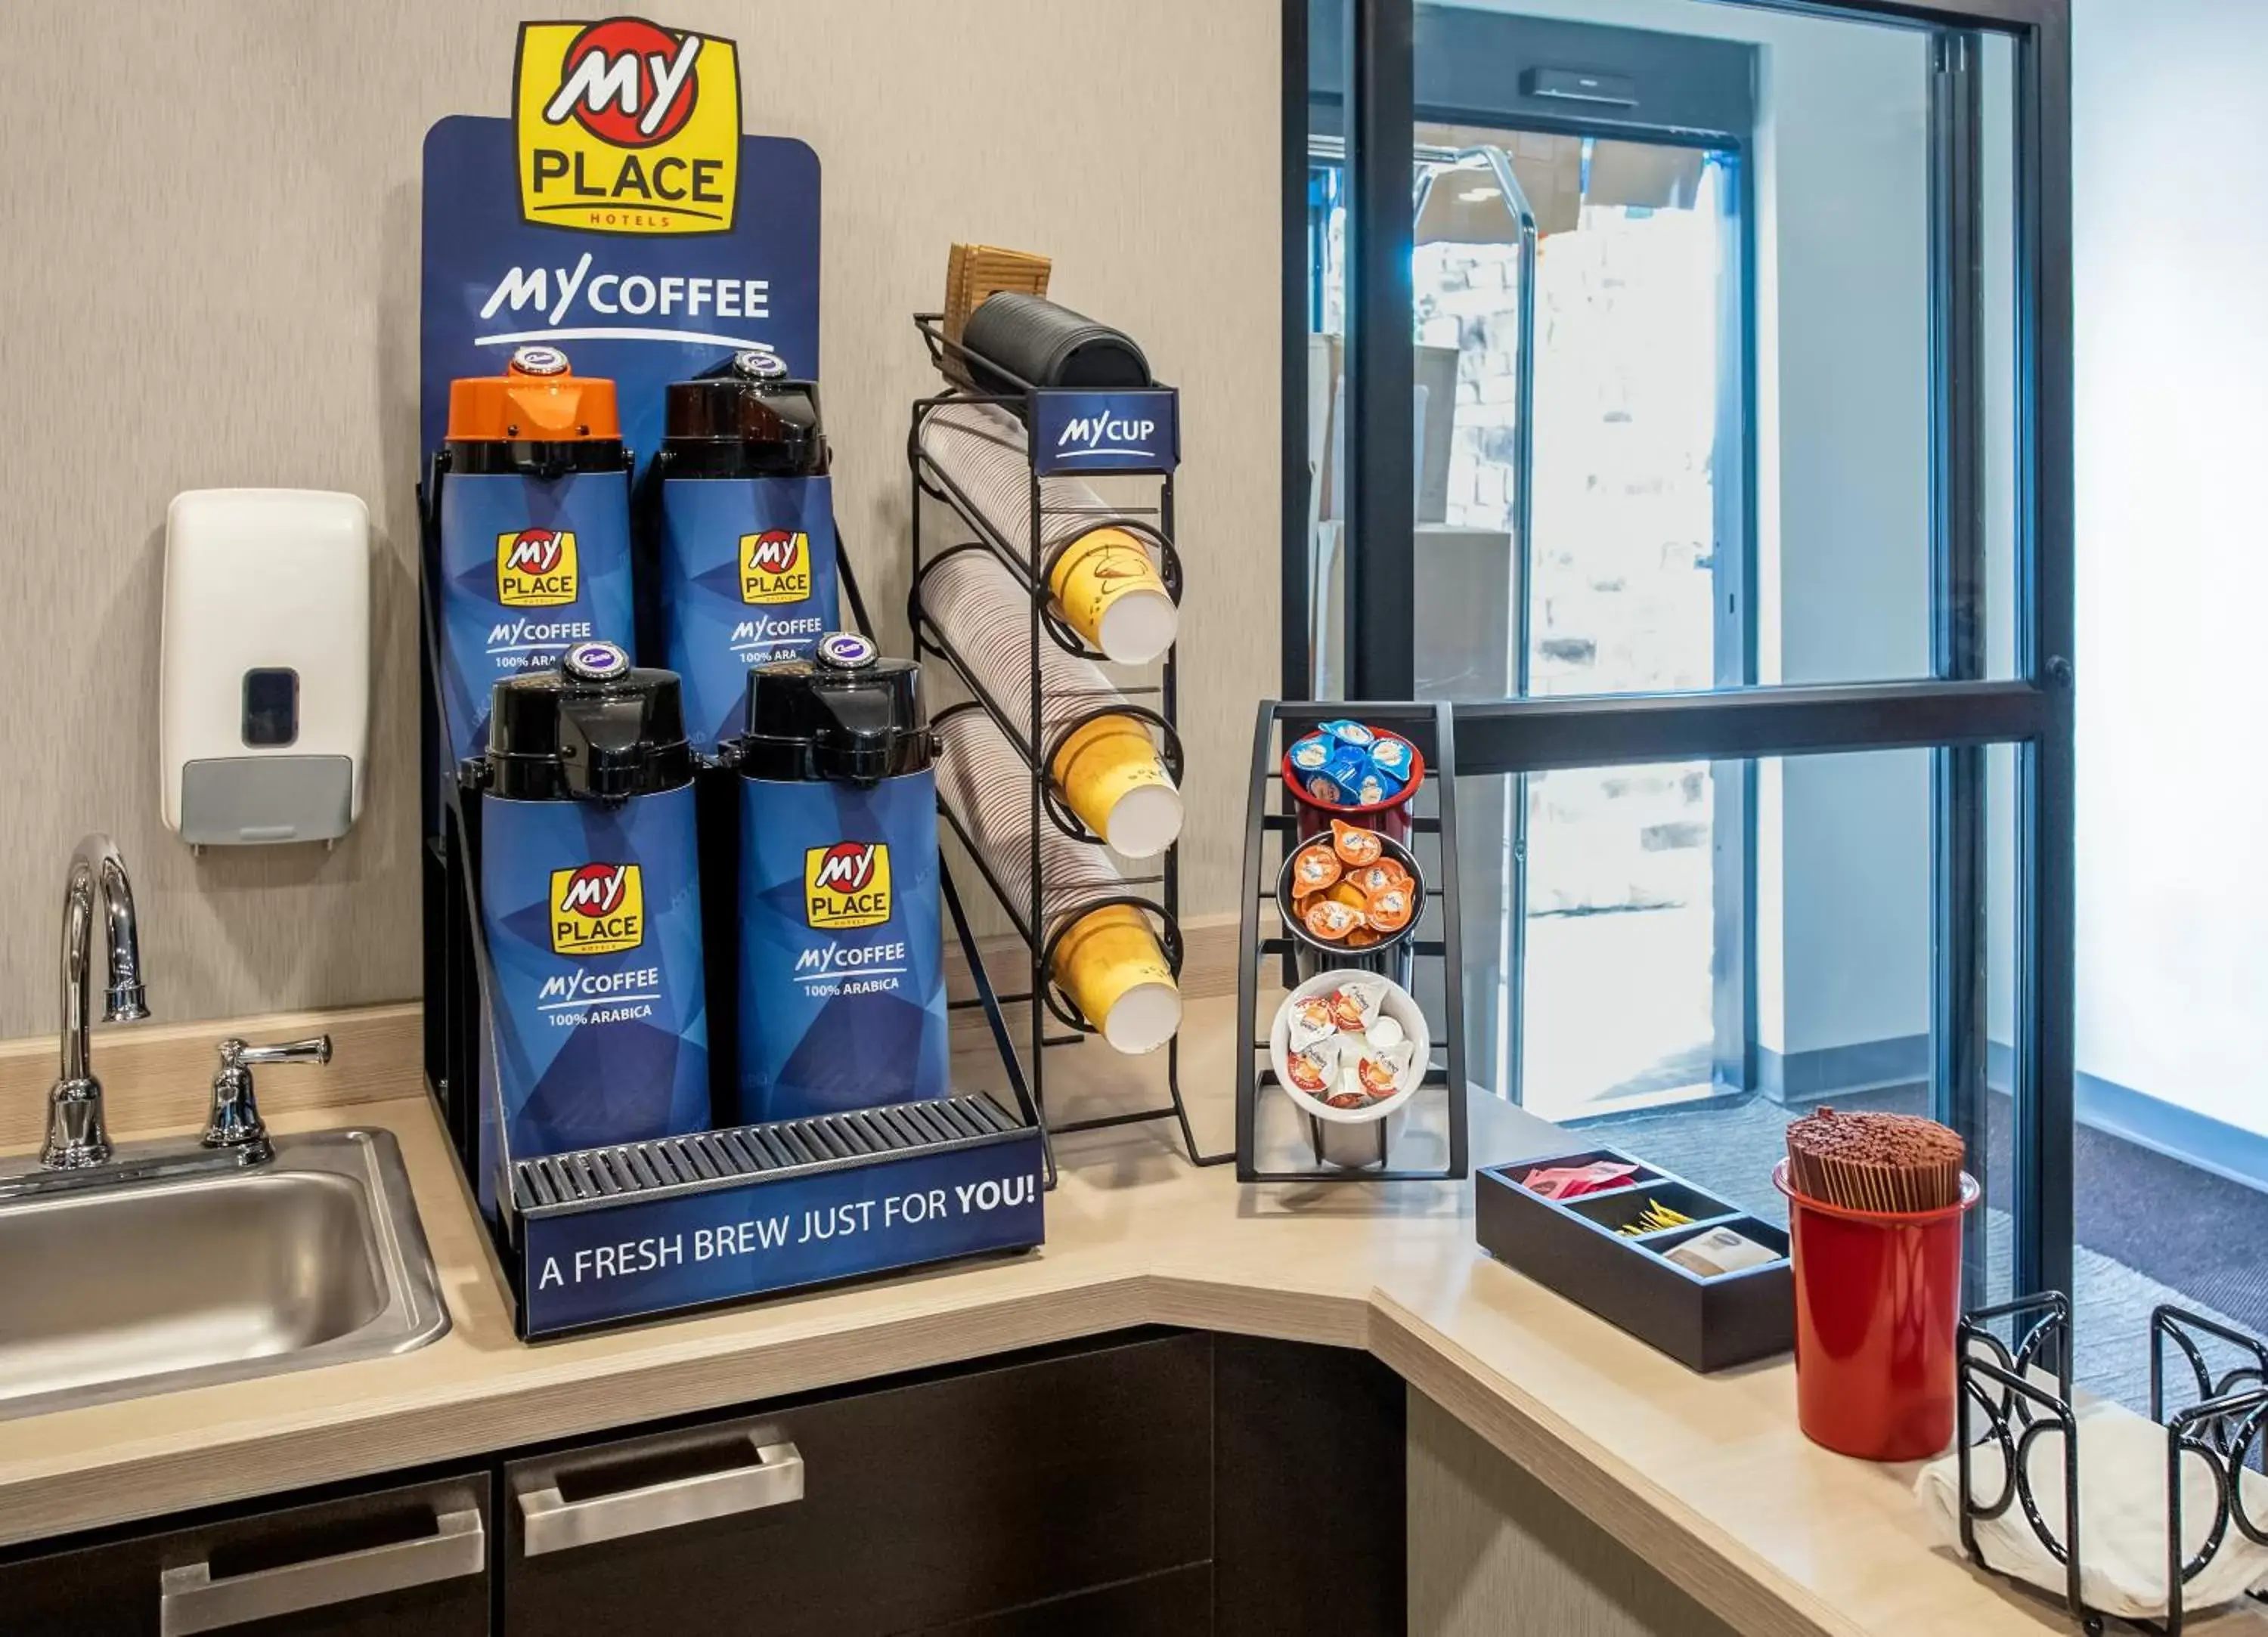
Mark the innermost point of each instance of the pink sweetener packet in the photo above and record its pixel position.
(1567, 1182)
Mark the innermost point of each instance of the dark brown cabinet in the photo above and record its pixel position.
(904, 1510)
(1137, 1486)
(411, 1561)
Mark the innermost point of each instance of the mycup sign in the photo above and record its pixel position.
(1129, 431)
(626, 126)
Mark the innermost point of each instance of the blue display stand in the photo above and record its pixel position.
(613, 1236)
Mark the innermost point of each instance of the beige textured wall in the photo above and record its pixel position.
(208, 276)
(1493, 1551)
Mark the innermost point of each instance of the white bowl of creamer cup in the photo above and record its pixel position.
(1299, 1033)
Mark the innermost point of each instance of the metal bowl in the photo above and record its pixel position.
(1395, 956)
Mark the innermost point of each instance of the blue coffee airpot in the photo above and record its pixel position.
(744, 570)
(840, 948)
(591, 899)
(534, 504)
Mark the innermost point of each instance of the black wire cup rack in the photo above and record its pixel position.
(2004, 1400)
(1043, 912)
(1271, 836)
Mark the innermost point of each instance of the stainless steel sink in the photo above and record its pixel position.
(315, 1257)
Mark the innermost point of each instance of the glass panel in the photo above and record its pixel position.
(1710, 949)
(2171, 1149)
(1327, 240)
(1726, 464)
(1996, 223)
(1629, 388)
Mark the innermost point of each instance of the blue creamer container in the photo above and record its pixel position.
(534, 523)
(745, 572)
(590, 898)
(841, 945)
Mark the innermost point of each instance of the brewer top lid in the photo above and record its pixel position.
(597, 727)
(538, 398)
(845, 713)
(748, 400)
(844, 650)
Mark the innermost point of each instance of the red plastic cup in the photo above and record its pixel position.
(1389, 817)
(1877, 1311)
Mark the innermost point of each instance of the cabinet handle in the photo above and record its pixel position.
(551, 1523)
(191, 1600)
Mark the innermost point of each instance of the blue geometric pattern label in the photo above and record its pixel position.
(593, 917)
(529, 567)
(842, 948)
(747, 577)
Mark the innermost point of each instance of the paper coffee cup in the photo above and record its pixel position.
(1110, 594)
(1110, 772)
(1111, 966)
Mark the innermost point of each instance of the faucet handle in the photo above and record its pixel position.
(235, 1121)
(235, 1054)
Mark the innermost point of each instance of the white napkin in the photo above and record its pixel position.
(2122, 1515)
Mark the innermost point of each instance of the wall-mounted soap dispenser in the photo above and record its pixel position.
(264, 670)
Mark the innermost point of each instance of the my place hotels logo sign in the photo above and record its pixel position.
(536, 569)
(627, 125)
(846, 886)
(597, 909)
(774, 567)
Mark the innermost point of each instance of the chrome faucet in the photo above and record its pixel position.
(97, 887)
(77, 1154)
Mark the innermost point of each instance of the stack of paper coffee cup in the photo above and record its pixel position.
(1110, 964)
(1107, 769)
(1108, 960)
(1101, 576)
(1110, 594)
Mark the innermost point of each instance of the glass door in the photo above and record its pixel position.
(1577, 366)
(1695, 515)
(1636, 353)
(1578, 359)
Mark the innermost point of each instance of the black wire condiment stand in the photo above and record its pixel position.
(1271, 815)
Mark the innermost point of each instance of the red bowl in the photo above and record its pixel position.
(1389, 817)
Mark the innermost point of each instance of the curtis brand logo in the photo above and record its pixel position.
(536, 569)
(627, 127)
(597, 909)
(847, 885)
(1105, 435)
(774, 567)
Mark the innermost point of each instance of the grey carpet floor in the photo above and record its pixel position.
(2151, 1228)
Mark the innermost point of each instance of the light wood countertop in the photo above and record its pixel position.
(1707, 1477)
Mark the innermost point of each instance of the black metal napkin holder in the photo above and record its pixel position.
(2224, 1427)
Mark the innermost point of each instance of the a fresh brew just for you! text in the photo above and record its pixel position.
(786, 1230)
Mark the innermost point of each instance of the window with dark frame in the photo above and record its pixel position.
(1378, 89)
